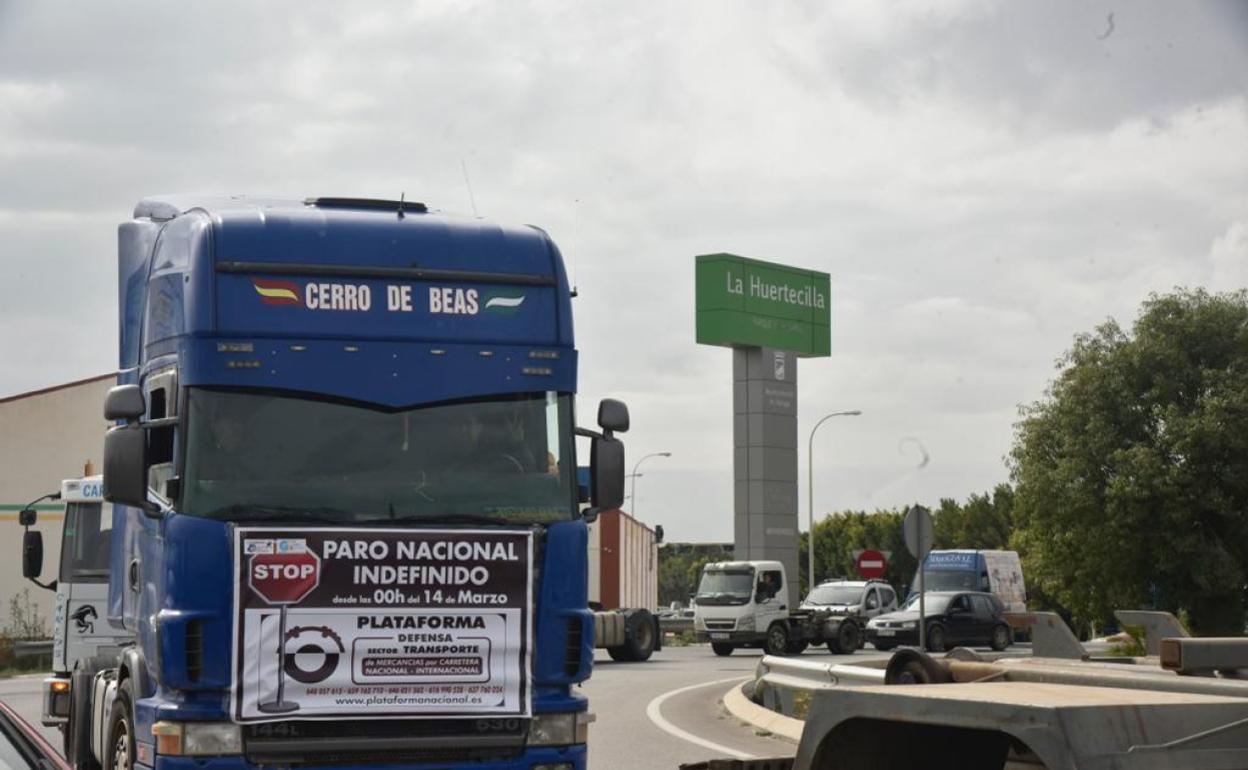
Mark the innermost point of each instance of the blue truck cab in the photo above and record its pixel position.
(347, 528)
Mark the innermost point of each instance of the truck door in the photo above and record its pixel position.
(84, 578)
(771, 598)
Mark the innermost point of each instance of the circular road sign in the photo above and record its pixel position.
(917, 529)
(871, 564)
(284, 578)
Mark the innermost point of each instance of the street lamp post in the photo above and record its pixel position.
(633, 491)
(810, 491)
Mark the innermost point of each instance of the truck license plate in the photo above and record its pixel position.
(719, 635)
(885, 632)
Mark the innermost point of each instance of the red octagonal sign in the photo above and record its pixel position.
(871, 564)
(284, 578)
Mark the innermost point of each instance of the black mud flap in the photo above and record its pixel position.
(783, 763)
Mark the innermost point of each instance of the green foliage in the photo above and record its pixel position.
(680, 567)
(1131, 474)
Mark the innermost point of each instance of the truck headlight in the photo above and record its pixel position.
(197, 739)
(746, 623)
(561, 729)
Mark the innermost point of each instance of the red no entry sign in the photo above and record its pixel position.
(871, 564)
(284, 578)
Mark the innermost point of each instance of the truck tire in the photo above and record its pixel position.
(722, 649)
(78, 728)
(119, 748)
(777, 642)
(846, 639)
(797, 647)
(640, 638)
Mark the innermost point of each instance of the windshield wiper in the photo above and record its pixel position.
(282, 513)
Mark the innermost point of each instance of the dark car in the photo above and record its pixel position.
(22, 747)
(954, 618)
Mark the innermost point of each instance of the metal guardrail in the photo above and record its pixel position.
(795, 674)
(22, 650)
(675, 625)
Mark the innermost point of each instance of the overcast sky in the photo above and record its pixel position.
(982, 180)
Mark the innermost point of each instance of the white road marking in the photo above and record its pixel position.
(656, 716)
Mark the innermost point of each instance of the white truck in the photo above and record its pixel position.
(744, 604)
(80, 631)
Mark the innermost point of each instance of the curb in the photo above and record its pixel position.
(746, 710)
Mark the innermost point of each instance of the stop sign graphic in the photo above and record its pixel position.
(284, 578)
(871, 564)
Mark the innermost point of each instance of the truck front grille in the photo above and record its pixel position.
(720, 625)
(384, 741)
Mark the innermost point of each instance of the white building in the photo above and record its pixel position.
(49, 435)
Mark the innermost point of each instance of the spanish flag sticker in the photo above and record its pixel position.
(277, 292)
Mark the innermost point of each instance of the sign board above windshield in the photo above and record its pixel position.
(748, 303)
(385, 308)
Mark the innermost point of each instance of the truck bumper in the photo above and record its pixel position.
(55, 710)
(534, 758)
(739, 638)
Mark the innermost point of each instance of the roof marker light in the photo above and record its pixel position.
(437, 352)
(485, 353)
(298, 348)
(351, 348)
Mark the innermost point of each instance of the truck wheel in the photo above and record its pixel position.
(1000, 638)
(640, 638)
(847, 638)
(935, 638)
(884, 646)
(78, 728)
(722, 649)
(777, 640)
(797, 647)
(119, 750)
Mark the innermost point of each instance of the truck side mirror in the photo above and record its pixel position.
(26, 517)
(125, 466)
(124, 402)
(613, 416)
(32, 554)
(606, 463)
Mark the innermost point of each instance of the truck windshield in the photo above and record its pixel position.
(84, 547)
(830, 595)
(258, 456)
(725, 587)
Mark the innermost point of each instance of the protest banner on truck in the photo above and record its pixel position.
(333, 623)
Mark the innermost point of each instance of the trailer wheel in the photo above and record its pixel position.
(119, 750)
(722, 649)
(777, 640)
(78, 728)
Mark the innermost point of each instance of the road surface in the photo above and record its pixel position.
(656, 714)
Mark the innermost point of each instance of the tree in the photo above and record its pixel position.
(984, 521)
(1131, 474)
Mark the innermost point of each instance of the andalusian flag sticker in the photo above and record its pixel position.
(277, 292)
(503, 304)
